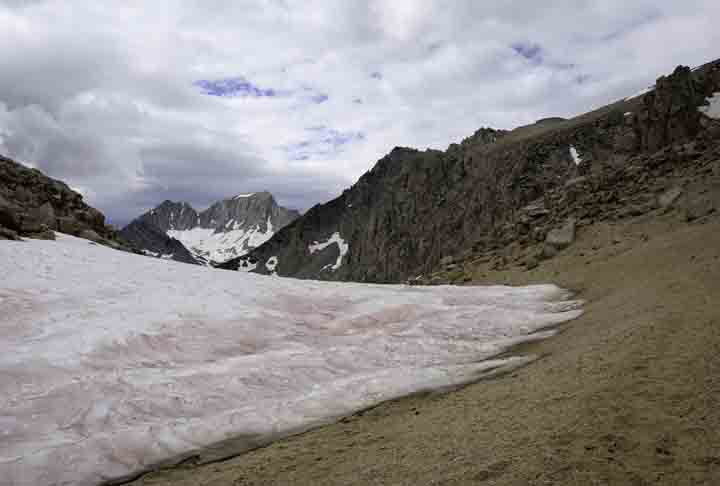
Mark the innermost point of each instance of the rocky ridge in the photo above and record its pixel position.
(34, 205)
(509, 195)
(225, 230)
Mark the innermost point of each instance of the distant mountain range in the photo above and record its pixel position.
(227, 229)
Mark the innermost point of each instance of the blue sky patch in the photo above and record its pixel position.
(321, 141)
(319, 98)
(530, 51)
(233, 87)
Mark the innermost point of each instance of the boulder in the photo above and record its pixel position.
(668, 198)
(562, 237)
(45, 234)
(89, 234)
(9, 216)
(446, 261)
(698, 202)
(31, 224)
(44, 214)
(69, 225)
(8, 234)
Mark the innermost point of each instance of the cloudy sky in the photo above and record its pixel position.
(135, 102)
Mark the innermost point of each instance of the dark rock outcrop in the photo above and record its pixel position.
(497, 189)
(34, 205)
(152, 241)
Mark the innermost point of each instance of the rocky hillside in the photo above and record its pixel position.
(34, 205)
(151, 241)
(529, 188)
(225, 230)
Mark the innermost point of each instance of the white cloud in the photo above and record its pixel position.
(102, 94)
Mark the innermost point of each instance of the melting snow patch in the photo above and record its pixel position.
(241, 196)
(247, 266)
(113, 363)
(712, 111)
(271, 264)
(575, 155)
(342, 247)
(225, 245)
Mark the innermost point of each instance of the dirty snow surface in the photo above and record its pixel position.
(113, 363)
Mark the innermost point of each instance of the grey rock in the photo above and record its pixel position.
(447, 260)
(532, 262)
(562, 237)
(32, 204)
(575, 181)
(9, 214)
(548, 251)
(69, 225)
(89, 234)
(8, 234)
(150, 240)
(45, 234)
(668, 198)
(44, 214)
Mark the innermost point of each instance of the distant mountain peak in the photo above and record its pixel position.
(227, 229)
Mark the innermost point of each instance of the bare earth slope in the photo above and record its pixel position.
(629, 394)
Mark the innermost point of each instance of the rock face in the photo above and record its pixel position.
(225, 230)
(497, 189)
(154, 242)
(34, 205)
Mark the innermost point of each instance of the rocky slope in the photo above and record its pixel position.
(225, 230)
(152, 241)
(34, 205)
(502, 193)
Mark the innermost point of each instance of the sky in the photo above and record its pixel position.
(135, 102)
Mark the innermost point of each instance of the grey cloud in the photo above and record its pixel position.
(101, 93)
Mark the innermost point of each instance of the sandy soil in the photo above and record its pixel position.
(629, 394)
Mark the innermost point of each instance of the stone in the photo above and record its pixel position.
(532, 262)
(89, 234)
(69, 225)
(575, 181)
(30, 224)
(548, 251)
(562, 237)
(32, 204)
(9, 216)
(8, 234)
(44, 214)
(445, 261)
(668, 198)
(697, 202)
(46, 234)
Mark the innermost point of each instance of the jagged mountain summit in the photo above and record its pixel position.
(226, 230)
(503, 191)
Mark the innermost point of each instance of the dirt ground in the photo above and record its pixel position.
(629, 394)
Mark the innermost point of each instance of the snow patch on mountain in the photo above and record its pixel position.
(214, 245)
(713, 108)
(336, 239)
(575, 155)
(272, 264)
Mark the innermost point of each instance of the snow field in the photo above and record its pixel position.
(112, 363)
